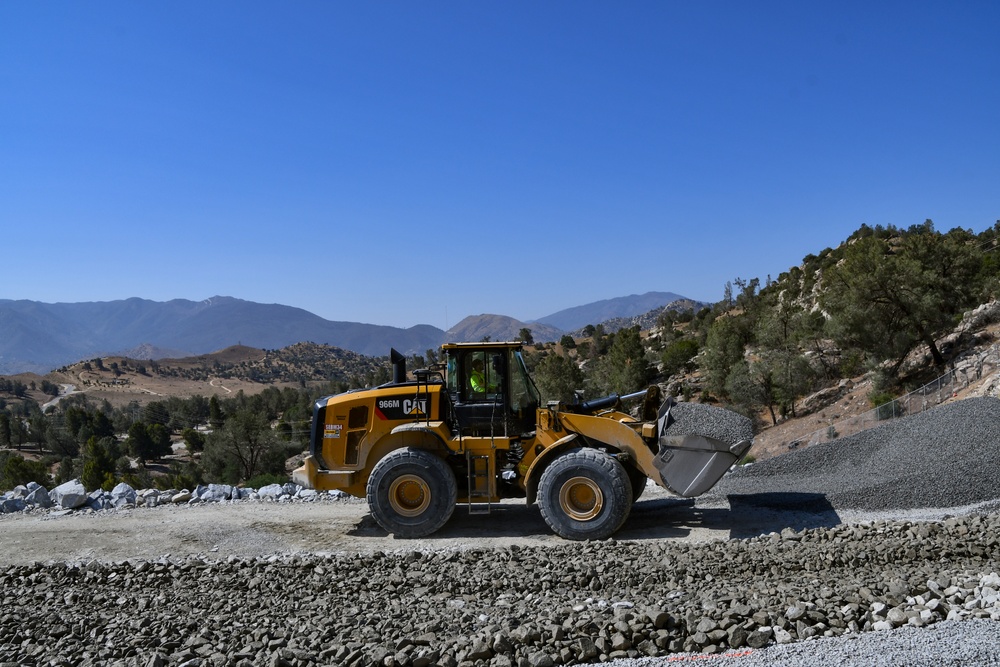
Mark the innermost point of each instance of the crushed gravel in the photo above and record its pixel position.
(711, 421)
(576, 603)
(945, 457)
(949, 643)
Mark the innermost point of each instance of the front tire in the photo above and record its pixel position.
(585, 494)
(638, 480)
(411, 493)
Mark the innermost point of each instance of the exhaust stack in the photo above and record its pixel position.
(398, 366)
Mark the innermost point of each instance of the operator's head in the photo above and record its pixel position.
(477, 364)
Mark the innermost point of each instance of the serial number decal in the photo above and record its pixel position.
(332, 430)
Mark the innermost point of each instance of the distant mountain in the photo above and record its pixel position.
(574, 318)
(39, 337)
(499, 328)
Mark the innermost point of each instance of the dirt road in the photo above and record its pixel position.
(250, 528)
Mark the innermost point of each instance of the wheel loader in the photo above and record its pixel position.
(473, 431)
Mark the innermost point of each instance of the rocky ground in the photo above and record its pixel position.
(891, 532)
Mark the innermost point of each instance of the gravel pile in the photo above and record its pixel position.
(945, 457)
(578, 603)
(711, 421)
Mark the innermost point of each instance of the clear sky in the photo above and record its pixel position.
(415, 162)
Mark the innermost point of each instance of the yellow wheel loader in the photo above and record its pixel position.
(473, 432)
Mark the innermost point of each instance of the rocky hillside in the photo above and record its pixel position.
(634, 305)
(498, 328)
(648, 320)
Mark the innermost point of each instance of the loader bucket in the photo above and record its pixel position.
(697, 445)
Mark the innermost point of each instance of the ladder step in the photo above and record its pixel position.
(479, 483)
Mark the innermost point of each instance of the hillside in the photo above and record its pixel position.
(121, 380)
(574, 318)
(499, 327)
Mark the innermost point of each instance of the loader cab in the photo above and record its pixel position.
(490, 389)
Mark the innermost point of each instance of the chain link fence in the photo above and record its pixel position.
(930, 395)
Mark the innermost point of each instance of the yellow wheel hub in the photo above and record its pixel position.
(581, 498)
(409, 495)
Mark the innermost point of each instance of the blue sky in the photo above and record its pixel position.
(416, 162)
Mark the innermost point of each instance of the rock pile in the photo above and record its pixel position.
(576, 603)
(72, 495)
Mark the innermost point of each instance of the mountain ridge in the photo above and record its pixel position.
(38, 337)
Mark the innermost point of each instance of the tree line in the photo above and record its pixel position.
(238, 439)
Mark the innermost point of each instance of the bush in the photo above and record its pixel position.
(266, 479)
(181, 476)
(885, 405)
(18, 471)
(194, 440)
(678, 355)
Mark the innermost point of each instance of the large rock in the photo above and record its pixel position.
(38, 496)
(11, 505)
(122, 495)
(217, 493)
(99, 500)
(69, 495)
(271, 491)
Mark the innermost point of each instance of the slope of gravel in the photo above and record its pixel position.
(945, 457)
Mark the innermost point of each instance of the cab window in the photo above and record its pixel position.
(523, 393)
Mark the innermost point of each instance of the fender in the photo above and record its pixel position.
(416, 435)
(542, 461)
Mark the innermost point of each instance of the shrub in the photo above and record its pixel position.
(885, 405)
(17, 471)
(678, 355)
(266, 479)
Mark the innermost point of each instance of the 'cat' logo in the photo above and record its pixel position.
(415, 407)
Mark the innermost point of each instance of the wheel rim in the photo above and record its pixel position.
(409, 495)
(581, 498)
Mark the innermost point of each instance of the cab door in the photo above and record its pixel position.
(479, 389)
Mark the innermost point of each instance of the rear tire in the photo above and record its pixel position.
(585, 495)
(411, 493)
